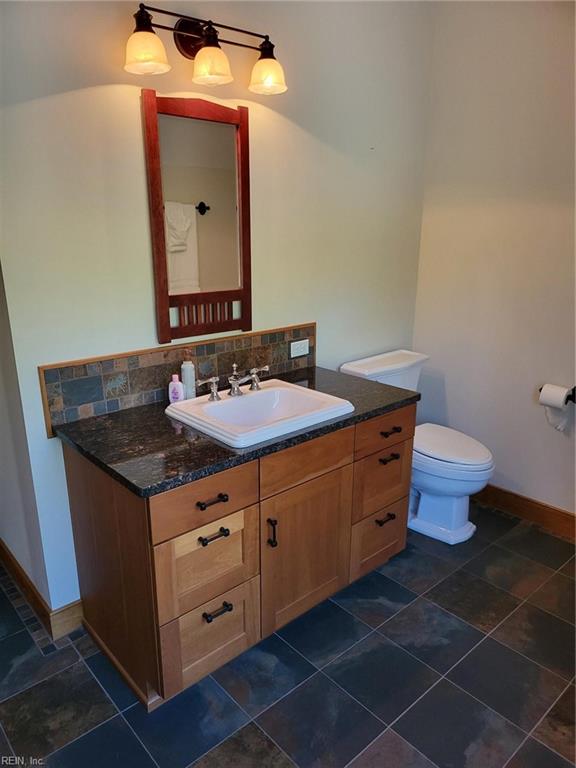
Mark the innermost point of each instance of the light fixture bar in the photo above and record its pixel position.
(204, 21)
(191, 34)
(198, 39)
(239, 45)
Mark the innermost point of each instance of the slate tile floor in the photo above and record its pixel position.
(446, 657)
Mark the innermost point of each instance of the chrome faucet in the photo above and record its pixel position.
(213, 381)
(235, 381)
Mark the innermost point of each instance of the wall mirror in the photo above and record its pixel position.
(198, 189)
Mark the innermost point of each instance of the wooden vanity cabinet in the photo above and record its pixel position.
(176, 585)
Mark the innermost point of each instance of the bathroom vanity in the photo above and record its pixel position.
(190, 552)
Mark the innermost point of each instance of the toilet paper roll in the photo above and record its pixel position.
(555, 398)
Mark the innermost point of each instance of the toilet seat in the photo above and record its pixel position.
(449, 470)
(444, 449)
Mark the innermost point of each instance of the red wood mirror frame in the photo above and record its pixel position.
(209, 311)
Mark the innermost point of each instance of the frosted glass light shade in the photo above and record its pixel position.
(211, 67)
(146, 55)
(267, 77)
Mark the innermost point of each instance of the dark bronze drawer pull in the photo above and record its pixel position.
(273, 541)
(390, 516)
(220, 499)
(222, 533)
(226, 608)
(388, 459)
(393, 431)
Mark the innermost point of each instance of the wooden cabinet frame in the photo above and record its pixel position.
(208, 311)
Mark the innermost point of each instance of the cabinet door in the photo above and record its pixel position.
(305, 546)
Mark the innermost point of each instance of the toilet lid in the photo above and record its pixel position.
(447, 444)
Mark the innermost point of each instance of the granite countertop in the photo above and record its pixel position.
(149, 453)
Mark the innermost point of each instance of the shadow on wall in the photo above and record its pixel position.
(433, 406)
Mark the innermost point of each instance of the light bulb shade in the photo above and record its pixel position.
(211, 67)
(145, 54)
(267, 77)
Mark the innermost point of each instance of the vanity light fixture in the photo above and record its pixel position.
(145, 52)
(211, 65)
(198, 39)
(267, 73)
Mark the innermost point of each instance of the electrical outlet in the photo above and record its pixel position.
(299, 348)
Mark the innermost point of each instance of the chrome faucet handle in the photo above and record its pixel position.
(255, 385)
(213, 381)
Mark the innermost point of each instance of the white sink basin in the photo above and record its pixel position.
(275, 410)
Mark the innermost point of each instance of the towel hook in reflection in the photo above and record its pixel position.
(202, 208)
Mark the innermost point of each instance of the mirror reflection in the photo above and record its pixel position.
(199, 186)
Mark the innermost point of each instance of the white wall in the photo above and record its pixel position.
(18, 515)
(336, 192)
(495, 302)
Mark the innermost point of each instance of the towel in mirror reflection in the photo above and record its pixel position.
(181, 247)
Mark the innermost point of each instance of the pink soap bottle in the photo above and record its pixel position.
(175, 389)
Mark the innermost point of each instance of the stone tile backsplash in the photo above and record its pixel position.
(95, 387)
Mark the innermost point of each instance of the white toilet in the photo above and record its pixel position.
(447, 466)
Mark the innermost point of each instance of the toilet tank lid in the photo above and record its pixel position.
(387, 362)
(449, 445)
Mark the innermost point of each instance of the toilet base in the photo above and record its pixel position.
(444, 518)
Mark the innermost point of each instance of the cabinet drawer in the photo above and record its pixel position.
(377, 538)
(379, 433)
(209, 636)
(296, 465)
(205, 562)
(381, 479)
(177, 511)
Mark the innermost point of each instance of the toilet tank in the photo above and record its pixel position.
(400, 368)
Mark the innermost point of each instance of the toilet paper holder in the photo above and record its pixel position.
(571, 398)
